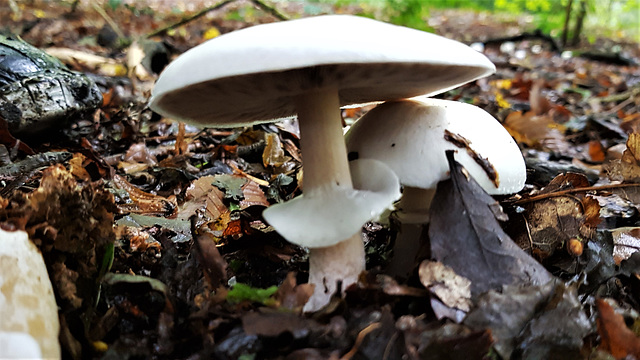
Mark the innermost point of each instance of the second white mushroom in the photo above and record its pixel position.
(411, 137)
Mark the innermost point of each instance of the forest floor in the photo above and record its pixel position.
(153, 236)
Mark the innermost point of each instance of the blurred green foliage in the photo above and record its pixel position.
(607, 18)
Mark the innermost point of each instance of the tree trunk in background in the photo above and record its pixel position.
(582, 13)
(565, 29)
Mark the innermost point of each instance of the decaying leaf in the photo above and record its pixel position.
(615, 337)
(557, 330)
(555, 219)
(452, 289)
(626, 242)
(533, 322)
(466, 236)
(134, 200)
(213, 265)
(253, 196)
(534, 130)
(292, 296)
(628, 167)
(273, 154)
(201, 194)
(274, 324)
(449, 341)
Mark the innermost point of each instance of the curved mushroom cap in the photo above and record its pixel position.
(254, 74)
(18, 345)
(409, 136)
(325, 217)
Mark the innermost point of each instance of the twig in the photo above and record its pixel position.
(190, 18)
(572, 191)
(270, 9)
(359, 340)
(109, 20)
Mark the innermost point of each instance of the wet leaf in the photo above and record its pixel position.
(616, 338)
(466, 236)
(626, 242)
(213, 265)
(134, 200)
(231, 185)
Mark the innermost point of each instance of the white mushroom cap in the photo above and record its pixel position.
(18, 345)
(254, 74)
(324, 217)
(27, 302)
(409, 136)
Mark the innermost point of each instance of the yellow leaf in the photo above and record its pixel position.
(211, 33)
(500, 100)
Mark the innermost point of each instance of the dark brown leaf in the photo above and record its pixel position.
(466, 236)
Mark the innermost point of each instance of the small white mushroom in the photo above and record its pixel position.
(28, 310)
(311, 67)
(411, 137)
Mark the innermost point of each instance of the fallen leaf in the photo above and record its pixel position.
(253, 195)
(465, 235)
(292, 296)
(626, 242)
(213, 264)
(615, 337)
(557, 329)
(452, 289)
(273, 154)
(141, 202)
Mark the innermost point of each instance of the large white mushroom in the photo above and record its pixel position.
(311, 67)
(29, 323)
(411, 137)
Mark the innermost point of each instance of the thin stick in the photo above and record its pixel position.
(109, 20)
(188, 19)
(359, 340)
(270, 9)
(573, 191)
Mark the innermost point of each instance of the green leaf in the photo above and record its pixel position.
(231, 185)
(113, 4)
(243, 292)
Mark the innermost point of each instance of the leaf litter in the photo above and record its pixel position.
(147, 226)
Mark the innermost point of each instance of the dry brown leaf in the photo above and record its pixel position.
(596, 151)
(140, 153)
(273, 154)
(203, 194)
(615, 337)
(292, 296)
(627, 168)
(591, 211)
(532, 130)
(141, 202)
(539, 103)
(213, 264)
(253, 195)
(452, 289)
(76, 167)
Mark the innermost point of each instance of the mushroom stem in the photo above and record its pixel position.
(345, 261)
(413, 207)
(413, 213)
(324, 155)
(322, 145)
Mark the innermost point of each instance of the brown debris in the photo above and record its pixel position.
(461, 142)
